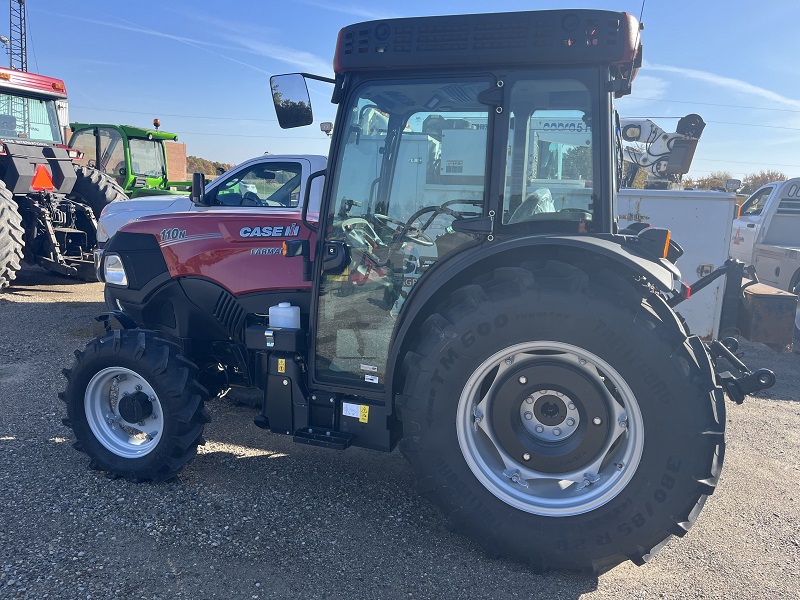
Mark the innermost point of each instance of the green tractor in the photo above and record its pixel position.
(136, 158)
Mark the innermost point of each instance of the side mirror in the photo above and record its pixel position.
(732, 185)
(291, 100)
(198, 194)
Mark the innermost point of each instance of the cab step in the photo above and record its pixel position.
(319, 436)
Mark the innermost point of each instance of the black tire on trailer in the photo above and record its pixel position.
(135, 405)
(96, 189)
(562, 418)
(11, 230)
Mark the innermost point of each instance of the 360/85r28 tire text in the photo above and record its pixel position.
(560, 420)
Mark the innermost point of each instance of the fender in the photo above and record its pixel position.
(444, 274)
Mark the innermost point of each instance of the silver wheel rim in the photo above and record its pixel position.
(596, 481)
(101, 404)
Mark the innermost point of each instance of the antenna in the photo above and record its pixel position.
(18, 44)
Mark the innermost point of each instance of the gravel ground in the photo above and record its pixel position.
(256, 516)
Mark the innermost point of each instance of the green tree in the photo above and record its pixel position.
(715, 179)
(753, 181)
(210, 169)
(577, 163)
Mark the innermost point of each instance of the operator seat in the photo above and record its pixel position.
(540, 201)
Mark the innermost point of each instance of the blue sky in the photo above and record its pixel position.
(202, 67)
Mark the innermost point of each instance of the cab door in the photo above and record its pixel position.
(748, 224)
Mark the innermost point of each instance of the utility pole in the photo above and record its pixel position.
(18, 44)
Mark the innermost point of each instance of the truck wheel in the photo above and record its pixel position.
(96, 189)
(135, 406)
(557, 419)
(11, 231)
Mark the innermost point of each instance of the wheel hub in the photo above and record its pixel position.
(529, 416)
(549, 416)
(135, 407)
(509, 412)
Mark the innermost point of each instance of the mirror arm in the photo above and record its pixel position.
(317, 77)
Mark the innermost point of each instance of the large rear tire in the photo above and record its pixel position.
(96, 189)
(562, 420)
(11, 244)
(135, 405)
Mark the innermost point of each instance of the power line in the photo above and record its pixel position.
(714, 104)
(728, 123)
(134, 112)
(264, 136)
(33, 46)
(746, 162)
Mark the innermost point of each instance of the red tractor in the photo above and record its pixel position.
(48, 206)
(464, 292)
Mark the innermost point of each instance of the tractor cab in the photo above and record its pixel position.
(135, 157)
(439, 151)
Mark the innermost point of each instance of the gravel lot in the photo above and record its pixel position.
(256, 516)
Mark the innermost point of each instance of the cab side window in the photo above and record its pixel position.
(755, 204)
(275, 185)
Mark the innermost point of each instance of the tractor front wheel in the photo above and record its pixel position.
(135, 405)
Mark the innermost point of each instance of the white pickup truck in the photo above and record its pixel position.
(766, 234)
(270, 181)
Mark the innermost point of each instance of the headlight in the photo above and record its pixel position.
(102, 234)
(114, 270)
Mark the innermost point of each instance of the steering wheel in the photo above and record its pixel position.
(360, 234)
(405, 230)
(251, 199)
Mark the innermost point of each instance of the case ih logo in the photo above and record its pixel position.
(270, 231)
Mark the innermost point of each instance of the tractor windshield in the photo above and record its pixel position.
(147, 158)
(25, 118)
(411, 158)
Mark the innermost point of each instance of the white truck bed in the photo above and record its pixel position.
(700, 221)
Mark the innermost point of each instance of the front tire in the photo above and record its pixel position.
(11, 244)
(135, 405)
(96, 189)
(560, 419)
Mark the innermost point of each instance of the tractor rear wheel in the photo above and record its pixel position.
(562, 419)
(96, 189)
(11, 244)
(135, 405)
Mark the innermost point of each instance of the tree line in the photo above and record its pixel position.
(209, 168)
(750, 183)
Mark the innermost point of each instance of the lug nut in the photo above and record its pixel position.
(570, 421)
(556, 431)
(523, 380)
(509, 361)
(597, 421)
(528, 416)
(539, 429)
(582, 361)
(529, 400)
(571, 406)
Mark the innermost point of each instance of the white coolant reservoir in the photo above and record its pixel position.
(284, 315)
